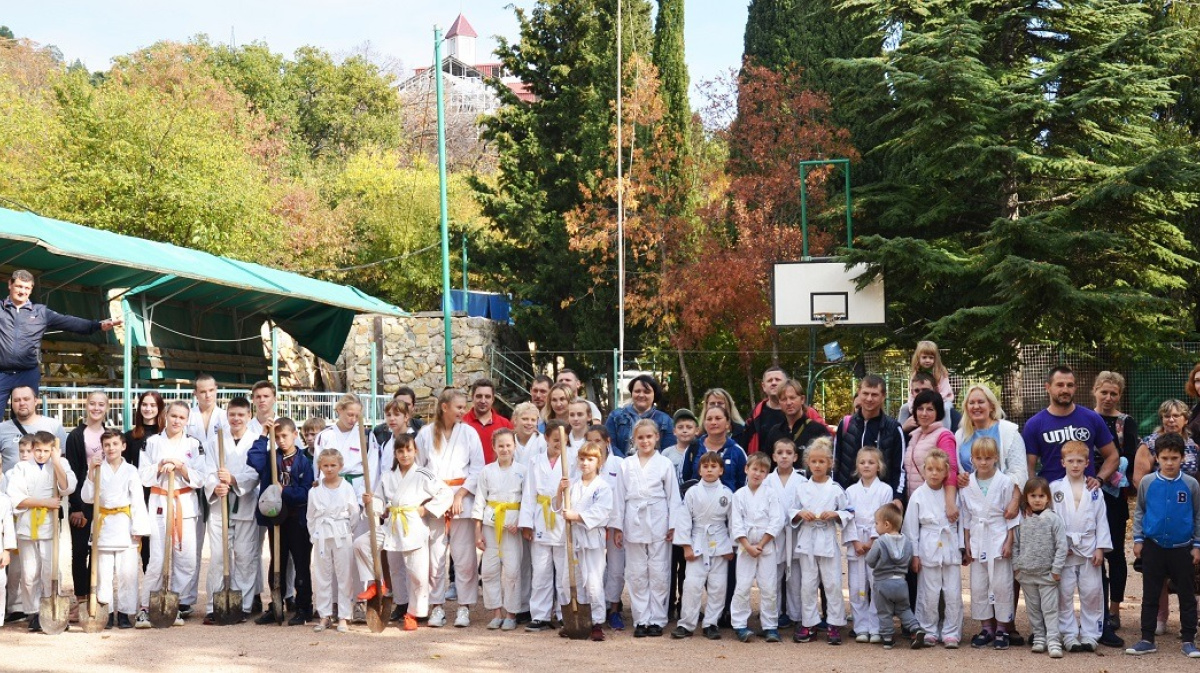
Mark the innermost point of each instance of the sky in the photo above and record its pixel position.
(95, 31)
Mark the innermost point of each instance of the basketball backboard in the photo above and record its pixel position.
(821, 292)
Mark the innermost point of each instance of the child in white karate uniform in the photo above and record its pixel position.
(8, 547)
(988, 540)
(396, 416)
(497, 517)
(31, 490)
(122, 524)
(451, 450)
(333, 512)
(526, 421)
(703, 533)
(936, 556)
(821, 509)
(239, 484)
(13, 588)
(589, 513)
(543, 527)
(614, 560)
(651, 493)
(787, 480)
(413, 500)
(755, 522)
(865, 497)
(1086, 521)
(171, 455)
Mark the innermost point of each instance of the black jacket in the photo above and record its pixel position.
(21, 331)
(890, 443)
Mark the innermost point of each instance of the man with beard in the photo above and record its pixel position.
(1063, 421)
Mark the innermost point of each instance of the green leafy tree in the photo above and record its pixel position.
(551, 151)
(1031, 197)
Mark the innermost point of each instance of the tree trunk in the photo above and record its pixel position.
(687, 379)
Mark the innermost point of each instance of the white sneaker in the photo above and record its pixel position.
(508, 625)
(1039, 647)
(142, 621)
(496, 623)
(463, 618)
(876, 639)
(1056, 652)
(437, 617)
(178, 619)
(862, 638)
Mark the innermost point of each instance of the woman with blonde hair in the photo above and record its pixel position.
(719, 397)
(983, 417)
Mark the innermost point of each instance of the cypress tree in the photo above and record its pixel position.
(672, 70)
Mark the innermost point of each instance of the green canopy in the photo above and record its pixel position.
(316, 313)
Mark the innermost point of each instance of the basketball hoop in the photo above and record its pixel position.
(829, 317)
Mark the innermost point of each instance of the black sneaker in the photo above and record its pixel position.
(681, 632)
(209, 619)
(654, 631)
(299, 618)
(982, 639)
(186, 611)
(35, 624)
(289, 604)
(112, 618)
(123, 621)
(15, 617)
(712, 633)
(537, 625)
(1016, 639)
(889, 642)
(1110, 639)
(267, 617)
(524, 618)
(918, 639)
(1001, 641)
(640, 631)
(256, 605)
(398, 613)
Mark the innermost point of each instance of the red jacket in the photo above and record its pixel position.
(485, 431)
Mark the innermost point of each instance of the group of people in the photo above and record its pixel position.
(687, 512)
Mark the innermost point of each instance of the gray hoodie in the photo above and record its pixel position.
(890, 556)
(1040, 548)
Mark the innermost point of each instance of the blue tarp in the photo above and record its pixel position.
(490, 305)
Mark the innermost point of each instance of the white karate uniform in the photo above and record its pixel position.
(404, 535)
(614, 564)
(8, 542)
(122, 515)
(863, 502)
(703, 525)
(27, 479)
(593, 502)
(1087, 530)
(382, 457)
(755, 514)
(534, 446)
(349, 444)
(785, 545)
(819, 552)
(538, 514)
(651, 500)
(12, 588)
(499, 497)
(991, 574)
(206, 434)
(185, 449)
(936, 542)
(243, 529)
(332, 514)
(460, 458)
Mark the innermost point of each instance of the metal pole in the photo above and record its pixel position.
(620, 213)
(464, 269)
(274, 356)
(127, 360)
(374, 383)
(441, 140)
(615, 398)
(849, 218)
(804, 212)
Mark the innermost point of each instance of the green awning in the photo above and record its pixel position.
(318, 314)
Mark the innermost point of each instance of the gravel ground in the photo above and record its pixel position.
(248, 648)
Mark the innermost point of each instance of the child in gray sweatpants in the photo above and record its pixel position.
(889, 559)
(1039, 553)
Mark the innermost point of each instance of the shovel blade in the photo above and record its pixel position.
(577, 619)
(277, 603)
(378, 610)
(94, 622)
(227, 607)
(53, 614)
(164, 608)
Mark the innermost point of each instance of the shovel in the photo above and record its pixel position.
(577, 617)
(227, 603)
(379, 608)
(55, 608)
(164, 603)
(277, 605)
(96, 617)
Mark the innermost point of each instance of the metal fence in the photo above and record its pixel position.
(69, 404)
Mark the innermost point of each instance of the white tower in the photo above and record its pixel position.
(461, 41)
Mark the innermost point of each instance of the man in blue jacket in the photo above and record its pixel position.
(22, 324)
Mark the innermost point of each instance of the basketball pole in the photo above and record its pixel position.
(812, 331)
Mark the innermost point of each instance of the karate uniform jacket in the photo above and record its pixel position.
(119, 488)
(704, 520)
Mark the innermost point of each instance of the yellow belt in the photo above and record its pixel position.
(500, 508)
(547, 512)
(400, 513)
(106, 512)
(37, 517)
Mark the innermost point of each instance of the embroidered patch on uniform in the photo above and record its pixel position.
(1058, 496)
(1182, 495)
(724, 501)
(1095, 495)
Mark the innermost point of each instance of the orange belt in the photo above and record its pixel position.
(452, 482)
(177, 522)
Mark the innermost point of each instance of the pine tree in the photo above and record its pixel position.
(672, 70)
(551, 151)
(1031, 197)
